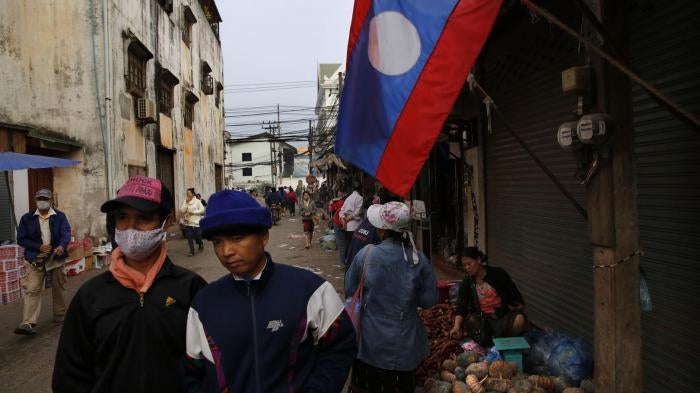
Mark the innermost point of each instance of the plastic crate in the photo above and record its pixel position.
(12, 296)
(12, 275)
(11, 251)
(10, 264)
(10, 286)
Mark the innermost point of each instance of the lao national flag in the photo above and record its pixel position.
(407, 62)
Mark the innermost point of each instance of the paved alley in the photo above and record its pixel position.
(26, 363)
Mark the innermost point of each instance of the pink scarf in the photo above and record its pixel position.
(132, 278)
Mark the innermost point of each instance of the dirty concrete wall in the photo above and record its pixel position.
(195, 150)
(47, 78)
(46, 69)
(207, 131)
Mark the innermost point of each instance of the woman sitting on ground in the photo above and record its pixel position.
(499, 300)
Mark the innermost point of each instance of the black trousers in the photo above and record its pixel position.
(370, 379)
(193, 234)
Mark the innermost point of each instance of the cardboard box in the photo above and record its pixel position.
(75, 251)
(75, 267)
(89, 262)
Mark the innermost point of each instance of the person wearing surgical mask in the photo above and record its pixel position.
(44, 234)
(125, 329)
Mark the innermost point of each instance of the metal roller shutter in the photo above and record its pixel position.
(533, 231)
(665, 48)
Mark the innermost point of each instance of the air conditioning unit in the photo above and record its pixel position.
(146, 110)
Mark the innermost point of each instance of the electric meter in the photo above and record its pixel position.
(594, 129)
(566, 136)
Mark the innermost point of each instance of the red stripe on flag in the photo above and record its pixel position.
(435, 92)
(359, 14)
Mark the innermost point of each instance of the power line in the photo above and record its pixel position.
(271, 83)
(259, 123)
(233, 91)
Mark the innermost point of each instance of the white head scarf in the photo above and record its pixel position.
(394, 216)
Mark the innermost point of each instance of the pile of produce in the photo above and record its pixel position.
(450, 369)
(464, 374)
(438, 321)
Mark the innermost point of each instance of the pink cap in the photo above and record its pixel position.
(142, 187)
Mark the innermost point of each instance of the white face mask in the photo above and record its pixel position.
(43, 205)
(139, 245)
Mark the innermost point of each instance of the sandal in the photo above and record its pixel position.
(25, 329)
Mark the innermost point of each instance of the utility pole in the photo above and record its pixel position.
(340, 85)
(279, 144)
(270, 130)
(311, 145)
(614, 225)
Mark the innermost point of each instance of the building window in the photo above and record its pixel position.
(136, 170)
(248, 172)
(188, 108)
(207, 85)
(188, 114)
(166, 101)
(247, 156)
(219, 90)
(167, 5)
(190, 20)
(136, 71)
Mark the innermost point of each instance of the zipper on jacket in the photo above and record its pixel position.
(255, 339)
(141, 299)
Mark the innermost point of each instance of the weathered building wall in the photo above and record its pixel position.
(161, 33)
(48, 79)
(208, 128)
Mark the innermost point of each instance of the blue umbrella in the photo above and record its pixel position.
(10, 161)
(13, 161)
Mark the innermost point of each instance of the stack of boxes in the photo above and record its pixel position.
(12, 270)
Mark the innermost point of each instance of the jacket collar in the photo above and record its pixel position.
(262, 278)
(52, 212)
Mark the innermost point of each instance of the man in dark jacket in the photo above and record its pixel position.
(44, 234)
(125, 329)
(266, 327)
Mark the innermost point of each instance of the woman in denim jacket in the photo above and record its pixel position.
(397, 280)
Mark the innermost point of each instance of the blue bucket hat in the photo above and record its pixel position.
(232, 211)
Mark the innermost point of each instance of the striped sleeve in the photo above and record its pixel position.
(197, 343)
(322, 310)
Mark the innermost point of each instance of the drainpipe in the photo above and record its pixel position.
(108, 95)
(100, 115)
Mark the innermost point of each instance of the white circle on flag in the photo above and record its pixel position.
(394, 43)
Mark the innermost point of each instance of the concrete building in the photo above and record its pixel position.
(258, 160)
(329, 81)
(126, 87)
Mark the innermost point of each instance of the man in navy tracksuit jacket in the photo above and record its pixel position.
(266, 327)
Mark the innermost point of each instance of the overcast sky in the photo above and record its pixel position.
(278, 41)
